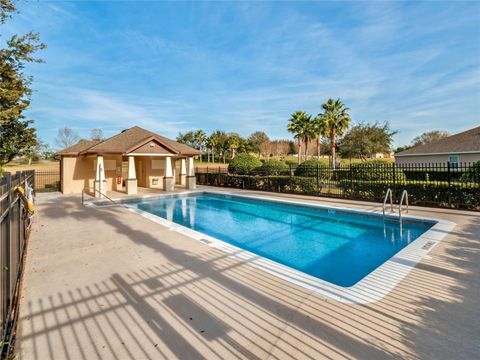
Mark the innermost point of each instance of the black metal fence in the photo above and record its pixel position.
(47, 180)
(14, 230)
(440, 185)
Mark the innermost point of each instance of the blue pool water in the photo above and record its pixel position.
(338, 246)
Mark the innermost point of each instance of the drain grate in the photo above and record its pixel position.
(428, 245)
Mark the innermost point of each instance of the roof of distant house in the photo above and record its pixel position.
(461, 143)
(133, 140)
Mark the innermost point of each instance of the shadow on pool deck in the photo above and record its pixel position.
(192, 302)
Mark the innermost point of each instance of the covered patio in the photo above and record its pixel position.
(135, 158)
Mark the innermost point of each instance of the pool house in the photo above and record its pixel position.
(131, 159)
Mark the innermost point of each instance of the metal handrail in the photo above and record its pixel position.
(404, 197)
(95, 190)
(389, 192)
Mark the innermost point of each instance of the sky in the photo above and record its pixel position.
(246, 66)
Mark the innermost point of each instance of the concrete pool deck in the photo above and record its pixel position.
(105, 283)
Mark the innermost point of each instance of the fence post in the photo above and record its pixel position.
(449, 184)
(290, 172)
(394, 173)
(318, 185)
(350, 170)
(7, 246)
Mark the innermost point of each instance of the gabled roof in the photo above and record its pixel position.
(464, 142)
(78, 147)
(132, 140)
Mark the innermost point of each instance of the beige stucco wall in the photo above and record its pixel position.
(425, 159)
(78, 173)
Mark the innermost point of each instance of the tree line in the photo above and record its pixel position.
(220, 145)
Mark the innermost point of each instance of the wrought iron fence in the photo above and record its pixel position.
(440, 185)
(14, 230)
(47, 180)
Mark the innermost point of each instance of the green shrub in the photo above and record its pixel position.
(457, 195)
(376, 170)
(291, 162)
(273, 167)
(310, 167)
(244, 164)
(472, 173)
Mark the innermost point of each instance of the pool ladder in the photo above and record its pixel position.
(403, 198)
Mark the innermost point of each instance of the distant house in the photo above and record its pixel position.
(384, 155)
(459, 148)
(134, 157)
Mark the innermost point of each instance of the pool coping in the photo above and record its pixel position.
(373, 287)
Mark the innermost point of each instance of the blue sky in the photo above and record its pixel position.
(246, 66)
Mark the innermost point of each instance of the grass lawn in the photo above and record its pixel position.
(205, 164)
(36, 165)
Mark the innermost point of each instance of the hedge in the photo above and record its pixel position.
(312, 168)
(244, 164)
(273, 167)
(457, 195)
(376, 170)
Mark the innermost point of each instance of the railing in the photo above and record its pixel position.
(404, 197)
(455, 186)
(95, 191)
(389, 192)
(14, 232)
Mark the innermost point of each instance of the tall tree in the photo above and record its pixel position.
(200, 137)
(16, 135)
(234, 141)
(66, 137)
(364, 140)
(187, 138)
(430, 136)
(336, 120)
(319, 130)
(301, 126)
(255, 140)
(96, 134)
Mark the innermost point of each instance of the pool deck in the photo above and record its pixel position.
(106, 283)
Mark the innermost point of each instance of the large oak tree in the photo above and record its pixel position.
(16, 134)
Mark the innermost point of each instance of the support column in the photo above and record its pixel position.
(183, 172)
(100, 183)
(191, 180)
(168, 179)
(131, 181)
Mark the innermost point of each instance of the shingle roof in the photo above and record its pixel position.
(464, 142)
(128, 141)
(82, 145)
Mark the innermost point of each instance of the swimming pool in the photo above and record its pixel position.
(349, 255)
(337, 246)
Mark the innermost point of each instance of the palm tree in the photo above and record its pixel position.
(200, 138)
(319, 130)
(295, 127)
(336, 120)
(300, 125)
(233, 143)
(212, 143)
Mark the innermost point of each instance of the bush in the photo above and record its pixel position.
(309, 168)
(273, 167)
(291, 162)
(473, 173)
(244, 164)
(456, 195)
(376, 170)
